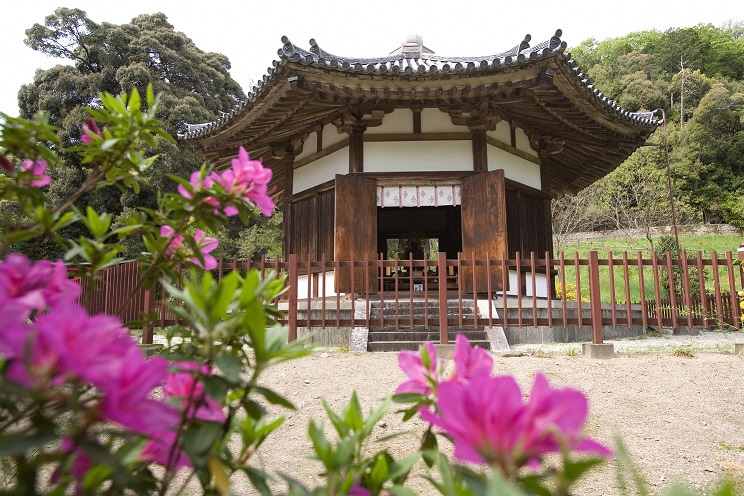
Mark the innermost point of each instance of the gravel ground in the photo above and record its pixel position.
(679, 413)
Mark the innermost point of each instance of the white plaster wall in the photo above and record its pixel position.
(302, 287)
(331, 136)
(435, 121)
(309, 147)
(418, 156)
(541, 284)
(523, 143)
(329, 285)
(515, 168)
(321, 170)
(399, 121)
(502, 133)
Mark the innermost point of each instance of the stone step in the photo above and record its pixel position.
(420, 336)
(411, 345)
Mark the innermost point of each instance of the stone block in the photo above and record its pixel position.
(686, 331)
(444, 351)
(358, 339)
(497, 338)
(600, 351)
(739, 349)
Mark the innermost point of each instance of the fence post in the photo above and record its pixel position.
(149, 305)
(292, 281)
(442, 273)
(595, 298)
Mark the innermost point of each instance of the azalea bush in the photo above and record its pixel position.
(83, 410)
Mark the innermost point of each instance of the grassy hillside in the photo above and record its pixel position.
(706, 244)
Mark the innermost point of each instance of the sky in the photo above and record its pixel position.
(249, 32)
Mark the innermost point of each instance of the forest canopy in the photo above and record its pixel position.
(696, 76)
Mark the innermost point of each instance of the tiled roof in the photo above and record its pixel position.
(415, 63)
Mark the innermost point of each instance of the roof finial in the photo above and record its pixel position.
(412, 47)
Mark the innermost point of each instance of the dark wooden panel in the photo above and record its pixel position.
(483, 226)
(308, 226)
(528, 222)
(513, 227)
(355, 234)
(326, 218)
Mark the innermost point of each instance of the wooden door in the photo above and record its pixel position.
(355, 232)
(483, 227)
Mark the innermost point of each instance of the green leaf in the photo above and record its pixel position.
(134, 103)
(354, 417)
(408, 397)
(497, 484)
(401, 491)
(534, 484)
(338, 423)
(379, 473)
(109, 143)
(430, 449)
(574, 469)
(273, 397)
(322, 447)
(230, 366)
(12, 444)
(259, 479)
(678, 489)
(199, 439)
(375, 417)
(65, 220)
(402, 467)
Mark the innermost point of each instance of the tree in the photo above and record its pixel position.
(195, 87)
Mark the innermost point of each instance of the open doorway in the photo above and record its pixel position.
(421, 231)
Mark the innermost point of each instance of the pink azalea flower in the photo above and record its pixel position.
(81, 463)
(205, 245)
(14, 331)
(359, 490)
(489, 423)
(37, 169)
(247, 180)
(90, 128)
(89, 347)
(127, 400)
(555, 417)
(184, 385)
(5, 164)
(159, 449)
(177, 247)
(197, 184)
(469, 361)
(35, 362)
(35, 286)
(422, 368)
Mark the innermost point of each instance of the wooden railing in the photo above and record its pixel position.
(612, 291)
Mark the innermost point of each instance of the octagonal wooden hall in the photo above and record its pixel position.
(371, 155)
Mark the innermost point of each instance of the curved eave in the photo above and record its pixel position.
(539, 89)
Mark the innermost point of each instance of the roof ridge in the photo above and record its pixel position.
(420, 63)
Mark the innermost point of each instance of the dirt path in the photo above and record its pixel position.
(680, 417)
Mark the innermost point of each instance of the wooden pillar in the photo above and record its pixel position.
(442, 274)
(417, 119)
(292, 310)
(480, 152)
(286, 152)
(595, 298)
(356, 149)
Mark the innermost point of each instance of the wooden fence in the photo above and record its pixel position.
(613, 291)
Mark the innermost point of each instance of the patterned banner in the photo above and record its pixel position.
(418, 196)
